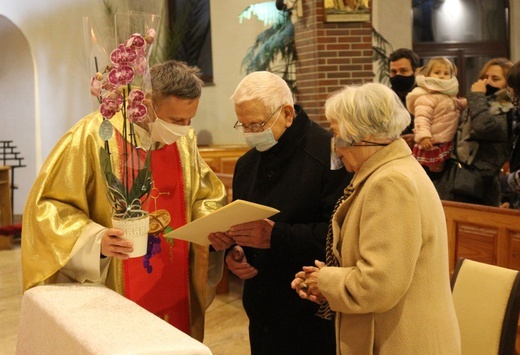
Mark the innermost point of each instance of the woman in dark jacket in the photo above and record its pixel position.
(480, 146)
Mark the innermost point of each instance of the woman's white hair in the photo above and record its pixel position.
(263, 86)
(367, 110)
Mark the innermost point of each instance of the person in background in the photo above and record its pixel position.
(386, 276)
(510, 182)
(403, 65)
(481, 140)
(289, 168)
(67, 234)
(436, 108)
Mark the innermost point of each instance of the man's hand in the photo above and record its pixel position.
(255, 234)
(237, 262)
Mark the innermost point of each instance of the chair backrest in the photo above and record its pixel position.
(487, 303)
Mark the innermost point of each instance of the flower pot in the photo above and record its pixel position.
(136, 230)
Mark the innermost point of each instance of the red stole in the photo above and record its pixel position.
(159, 281)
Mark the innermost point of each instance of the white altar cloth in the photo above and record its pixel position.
(81, 319)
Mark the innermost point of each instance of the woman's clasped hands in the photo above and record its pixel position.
(305, 283)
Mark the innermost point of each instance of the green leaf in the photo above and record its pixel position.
(143, 182)
(104, 159)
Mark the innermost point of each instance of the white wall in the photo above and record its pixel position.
(59, 96)
(230, 42)
(17, 107)
(393, 19)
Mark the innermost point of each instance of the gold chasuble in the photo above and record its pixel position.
(67, 212)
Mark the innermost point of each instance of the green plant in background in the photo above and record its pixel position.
(274, 49)
(382, 49)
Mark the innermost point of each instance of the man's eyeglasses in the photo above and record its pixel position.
(254, 127)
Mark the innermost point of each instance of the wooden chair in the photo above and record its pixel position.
(487, 303)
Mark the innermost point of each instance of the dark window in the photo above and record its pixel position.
(468, 32)
(189, 37)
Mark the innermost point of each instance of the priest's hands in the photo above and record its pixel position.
(220, 241)
(113, 245)
(237, 262)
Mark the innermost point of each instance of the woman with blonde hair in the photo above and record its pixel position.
(386, 277)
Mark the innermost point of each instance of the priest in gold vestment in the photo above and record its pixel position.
(67, 234)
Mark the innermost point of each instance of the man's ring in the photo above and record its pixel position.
(304, 287)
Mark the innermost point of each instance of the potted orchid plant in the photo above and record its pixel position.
(120, 88)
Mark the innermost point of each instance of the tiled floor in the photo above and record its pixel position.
(10, 299)
(226, 322)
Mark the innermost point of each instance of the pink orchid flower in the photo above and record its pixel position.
(107, 109)
(136, 41)
(115, 97)
(150, 36)
(123, 56)
(136, 112)
(135, 97)
(110, 104)
(95, 87)
(141, 65)
(121, 76)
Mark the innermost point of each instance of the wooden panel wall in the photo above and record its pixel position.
(222, 158)
(482, 233)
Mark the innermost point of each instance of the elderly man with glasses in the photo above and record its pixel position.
(288, 168)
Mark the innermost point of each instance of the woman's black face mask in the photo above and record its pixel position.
(490, 90)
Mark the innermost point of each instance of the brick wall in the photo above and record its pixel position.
(330, 56)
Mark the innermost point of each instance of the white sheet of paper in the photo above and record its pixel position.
(238, 211)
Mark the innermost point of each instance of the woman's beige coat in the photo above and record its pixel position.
(392, 293)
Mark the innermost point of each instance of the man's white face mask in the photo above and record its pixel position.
(262, 141)
(165, 132)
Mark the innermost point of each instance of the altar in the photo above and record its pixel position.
(83, 319)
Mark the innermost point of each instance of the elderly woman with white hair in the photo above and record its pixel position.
(386, 277)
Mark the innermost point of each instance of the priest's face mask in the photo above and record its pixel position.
(171, 119)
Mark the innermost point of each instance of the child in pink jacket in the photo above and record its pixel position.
(436, 108)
